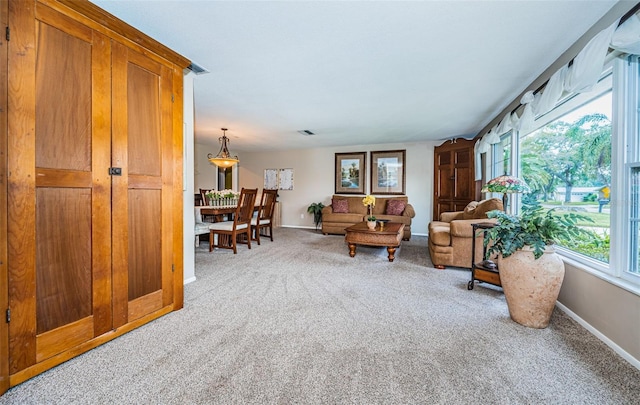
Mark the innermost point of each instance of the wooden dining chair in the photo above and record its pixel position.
(227, 232)
(264, 220)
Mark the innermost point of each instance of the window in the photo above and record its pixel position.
(584, 157)
(567, 164)
(629, 166)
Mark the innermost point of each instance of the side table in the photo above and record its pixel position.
(482, 271)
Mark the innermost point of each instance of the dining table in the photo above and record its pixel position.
(217, 211)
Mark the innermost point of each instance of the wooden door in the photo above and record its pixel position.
(4, 281)
(454, 177)
(142, 195)
(59, 198)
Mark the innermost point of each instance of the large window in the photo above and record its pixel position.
(567, 164)
(584, 157)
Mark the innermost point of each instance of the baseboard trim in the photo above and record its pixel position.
(189, 280)
(623, 353)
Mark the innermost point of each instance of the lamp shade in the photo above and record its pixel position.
(506, 184)
(223, 159)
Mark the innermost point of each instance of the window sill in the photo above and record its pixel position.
(617, 281)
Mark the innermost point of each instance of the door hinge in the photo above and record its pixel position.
(8, 315)
(173, 268)
(7, 33)
(172, 99)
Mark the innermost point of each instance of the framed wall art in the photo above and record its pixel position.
(271, 179)
(350, 172)
(388, 172)
(285, 179)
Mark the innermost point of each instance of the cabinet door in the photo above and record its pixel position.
(59, 190)
(463, 178)
(4, 289)
(142, 199)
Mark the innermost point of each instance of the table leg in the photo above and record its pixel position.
(352, 249)
(392, 252)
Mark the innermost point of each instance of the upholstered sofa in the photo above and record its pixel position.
(340, 214)
(450, 238)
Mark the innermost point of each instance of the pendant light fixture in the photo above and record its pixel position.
(223, 158)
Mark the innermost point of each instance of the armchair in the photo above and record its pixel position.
(450, 238)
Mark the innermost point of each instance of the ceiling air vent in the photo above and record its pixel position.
(306, 132)
(197, 69)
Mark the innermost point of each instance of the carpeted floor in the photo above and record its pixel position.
(297, 321)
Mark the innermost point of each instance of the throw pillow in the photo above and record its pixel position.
(469, 210)
(395, 207)
(485, 206)
(340, 206)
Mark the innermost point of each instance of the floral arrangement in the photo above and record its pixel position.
(506, 184)
(217, 195)
(369, 201)
(222, 197)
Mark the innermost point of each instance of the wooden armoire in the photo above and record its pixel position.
(454, 184)
(91, 176)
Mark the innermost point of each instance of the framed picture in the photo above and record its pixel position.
(350, 172)
(285, 179)
(388, 172)
(271, 179)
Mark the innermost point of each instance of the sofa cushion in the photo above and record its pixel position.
(341, 218)
(395, 207)
(356, 206)
(340, 206)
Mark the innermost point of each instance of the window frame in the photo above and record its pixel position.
(625, 144)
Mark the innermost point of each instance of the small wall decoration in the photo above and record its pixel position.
(271, 179)
(388, 172)
(285, 179)
(350, 174)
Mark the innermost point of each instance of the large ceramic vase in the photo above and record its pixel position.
(531, 286)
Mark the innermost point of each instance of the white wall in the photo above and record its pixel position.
(204, 172)
(314, 172)
(188, 219)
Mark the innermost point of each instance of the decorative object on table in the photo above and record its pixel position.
(316, 210)
(223, 159)
(350, 172)
(222, 198)
(506, 185)
(369, 201)
(388, 172)
(531, 272)
(382, 223)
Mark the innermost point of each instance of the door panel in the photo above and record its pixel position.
(60, 263)
(142, 147)
(63, 256)
(4, 288)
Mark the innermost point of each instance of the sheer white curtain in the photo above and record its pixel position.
(580, 77)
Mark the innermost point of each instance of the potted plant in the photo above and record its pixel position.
(316, 210)
(531, 273)
(369, 201)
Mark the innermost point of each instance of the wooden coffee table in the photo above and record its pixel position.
(360, 234)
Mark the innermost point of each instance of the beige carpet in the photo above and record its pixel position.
(297, 321)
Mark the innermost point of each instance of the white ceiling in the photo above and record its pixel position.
(357, 72)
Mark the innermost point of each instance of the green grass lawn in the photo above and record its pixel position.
(599, 220)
